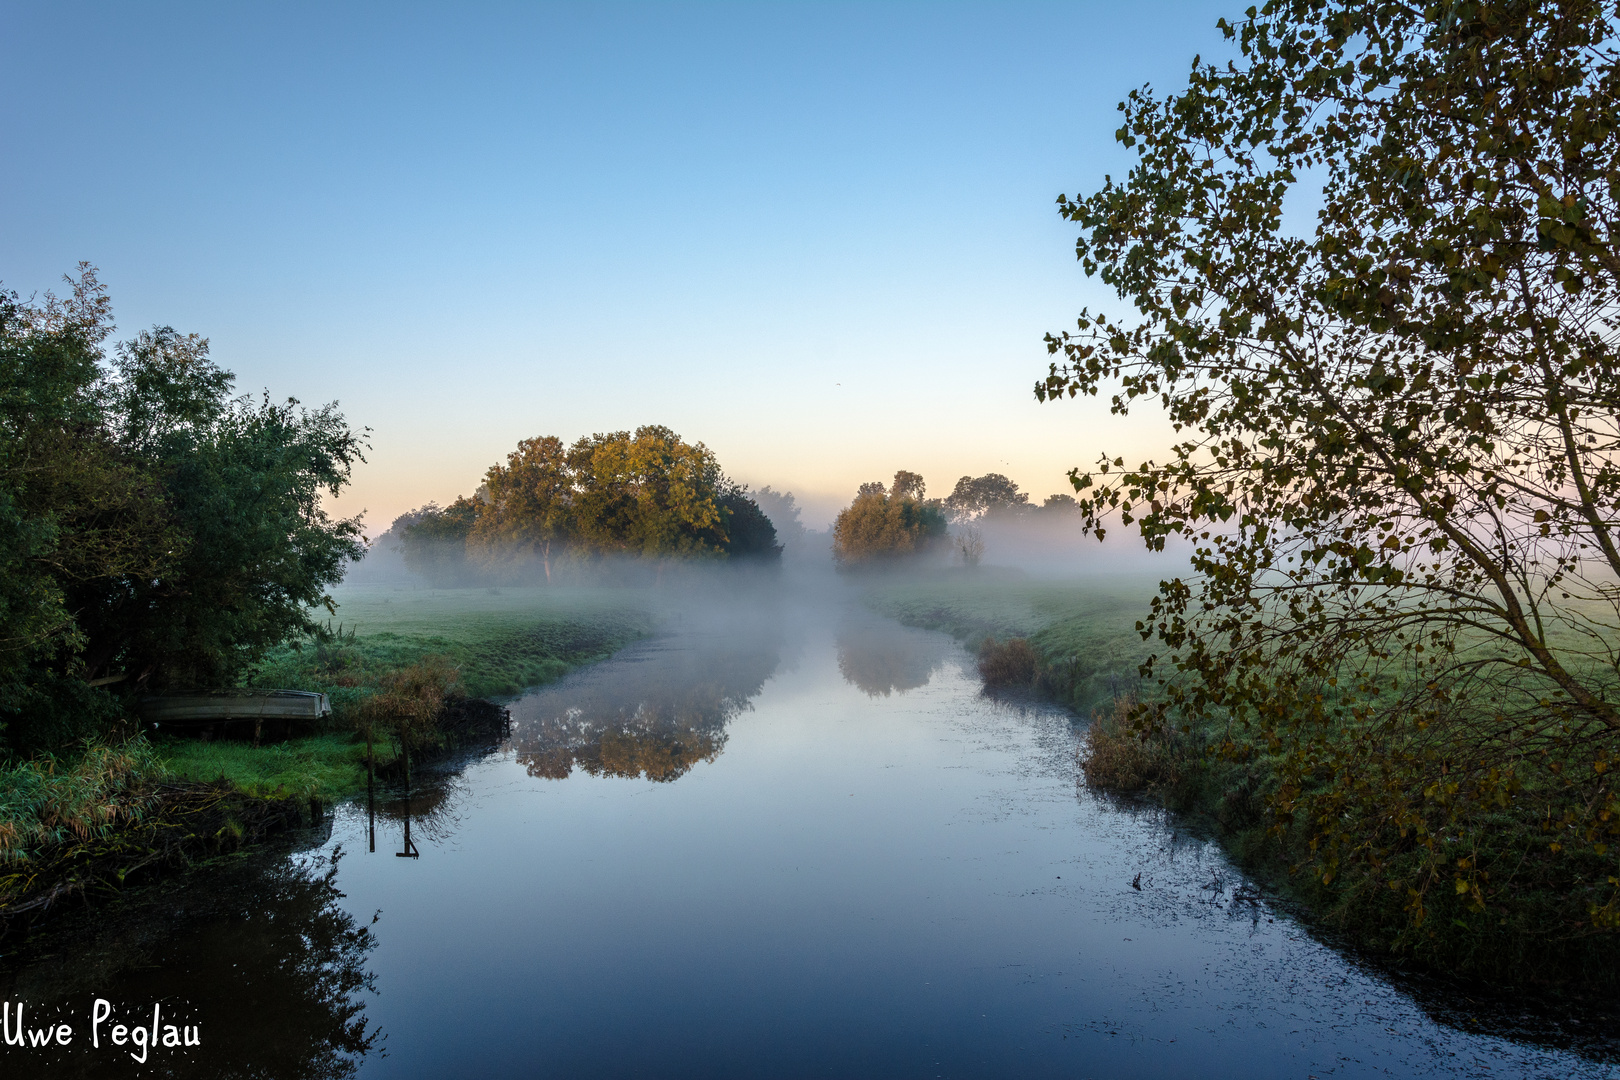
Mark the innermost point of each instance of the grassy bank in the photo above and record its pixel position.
(1083, 632)
(1535, 920)
(499, 640)
(1538, 923)
(75, 829)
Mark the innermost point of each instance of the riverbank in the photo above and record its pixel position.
(83, 826)
(1538, 930)
(1083, 632)
(164, 825)
(499, 641)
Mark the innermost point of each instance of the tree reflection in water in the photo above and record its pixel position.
(881, 660)
(256, 950)
(656, 713)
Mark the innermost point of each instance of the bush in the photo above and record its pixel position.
(408, 703)
(1010, 663)
(1128, 755)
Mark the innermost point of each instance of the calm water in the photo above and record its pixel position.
(796, 843)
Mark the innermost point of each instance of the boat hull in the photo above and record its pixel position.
(212, 706)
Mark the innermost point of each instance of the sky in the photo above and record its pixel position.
(820, 238)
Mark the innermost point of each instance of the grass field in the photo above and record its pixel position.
(326, 767)
(500, 640)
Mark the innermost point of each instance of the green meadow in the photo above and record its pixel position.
(501, 641)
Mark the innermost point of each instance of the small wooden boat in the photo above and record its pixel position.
(211, 706)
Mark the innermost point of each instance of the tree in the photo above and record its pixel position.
(882, 524)
(243, 483)
(648, 494)
(434, 545)
(992, 493)
(783, 510)
(530, 504)
(1400, 432)
(75, 512)
(970, 545)
(748, 532)
(908, 485)
(161, 532)
(1059, 504)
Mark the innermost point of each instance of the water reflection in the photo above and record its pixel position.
(883, 659)
(256, 951)
(655, 713)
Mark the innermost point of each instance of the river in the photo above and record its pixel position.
(774, 841)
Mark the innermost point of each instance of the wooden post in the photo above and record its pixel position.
(371, 793)
(410, 851)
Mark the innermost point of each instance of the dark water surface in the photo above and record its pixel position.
(798, 843)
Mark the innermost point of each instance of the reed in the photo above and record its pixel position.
(1127, 754)
(47, 799)
(1011, 663)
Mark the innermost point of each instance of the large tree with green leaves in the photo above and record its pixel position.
(160, 532)
(1400, 427)
(433, 541)
(530, 504)
(991, 494)
(647, 495)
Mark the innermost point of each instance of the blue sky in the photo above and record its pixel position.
(820, 238)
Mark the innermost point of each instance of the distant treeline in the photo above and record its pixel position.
(648, 496)
(897, 521)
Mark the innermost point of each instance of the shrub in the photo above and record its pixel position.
(408, 704)
(1009, 663)
(1128, 754)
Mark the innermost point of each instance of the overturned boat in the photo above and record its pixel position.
(285, 709)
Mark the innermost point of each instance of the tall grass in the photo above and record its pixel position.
(323, 768)
(47, 799)
(1010, 663)
(1122, 755)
